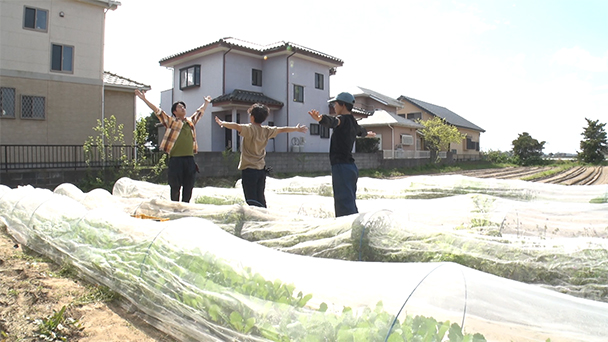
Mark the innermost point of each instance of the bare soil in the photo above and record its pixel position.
(579, 175)
(33, 291)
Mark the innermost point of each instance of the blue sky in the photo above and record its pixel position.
(508, 66)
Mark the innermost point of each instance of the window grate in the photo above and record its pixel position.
(32, 107)
(7, 102)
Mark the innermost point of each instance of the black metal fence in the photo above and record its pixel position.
(26, 157)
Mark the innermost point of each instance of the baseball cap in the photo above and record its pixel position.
(344, 97)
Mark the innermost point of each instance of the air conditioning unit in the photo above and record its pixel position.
(407, 139)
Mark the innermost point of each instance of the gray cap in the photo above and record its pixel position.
(344, 97)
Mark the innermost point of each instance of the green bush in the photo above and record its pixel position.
(497, 157)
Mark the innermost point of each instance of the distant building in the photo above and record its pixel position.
(415, 109)
(53, 89)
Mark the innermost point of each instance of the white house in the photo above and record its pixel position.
(290, 79)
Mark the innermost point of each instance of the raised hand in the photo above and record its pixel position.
(315, 115)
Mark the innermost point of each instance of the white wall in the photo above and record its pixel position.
(30, 51)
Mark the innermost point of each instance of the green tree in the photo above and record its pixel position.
(151, 138)
(99, 148)
(527, 150)
(594, 144)
(438, 135)
(109, 147)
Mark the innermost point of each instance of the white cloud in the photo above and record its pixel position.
(580, 58)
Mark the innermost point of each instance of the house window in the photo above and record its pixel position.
(314, 129)
(414, 116)
(190, 77)
(324, 133)
(7, 102)
(472, 145)
(298, 93)
(318, 81)
(62, 58)
(35, 19)
(32, 107)
(256, 77)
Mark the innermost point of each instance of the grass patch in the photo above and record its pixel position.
(599, 200)
(559, 167)
(96, 294)
(217, 200)
(430, 169)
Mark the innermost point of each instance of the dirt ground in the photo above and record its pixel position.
(33, 291)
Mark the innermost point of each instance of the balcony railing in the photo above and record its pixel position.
(23, 157)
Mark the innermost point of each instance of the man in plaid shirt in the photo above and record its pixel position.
(179, 142)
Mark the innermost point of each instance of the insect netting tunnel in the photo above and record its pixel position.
(198, 276)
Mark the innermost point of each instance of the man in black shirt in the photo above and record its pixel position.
(344, 172)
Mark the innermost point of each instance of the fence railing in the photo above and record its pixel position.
(403, 154)
(23, 157)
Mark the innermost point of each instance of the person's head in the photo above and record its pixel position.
(259, 112)
(343, 102)
(178, 109)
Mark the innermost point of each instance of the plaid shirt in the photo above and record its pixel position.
(174, 127)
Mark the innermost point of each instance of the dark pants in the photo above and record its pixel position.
(344, 182)
(254, 184)
(182, 172)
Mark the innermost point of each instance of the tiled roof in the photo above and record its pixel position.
(110, 79)
(239, 96)
(382, 118)
(257, 49)
(387, 100)
(444, 113)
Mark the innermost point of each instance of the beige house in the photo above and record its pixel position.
(53, 89)
(398, 136)
(413, 109)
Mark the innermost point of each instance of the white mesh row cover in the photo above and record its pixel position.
(557, 243)
(201, 282)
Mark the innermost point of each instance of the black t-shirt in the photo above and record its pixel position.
(342, 138)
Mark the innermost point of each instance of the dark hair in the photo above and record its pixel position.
(349, 106)
(175, 106)
(259, 112)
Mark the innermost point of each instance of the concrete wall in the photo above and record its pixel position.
(218, 164)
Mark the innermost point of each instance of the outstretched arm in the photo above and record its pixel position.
(141, 95)
(204, 105)
(325, 120)
(229, 125)
(298, 128)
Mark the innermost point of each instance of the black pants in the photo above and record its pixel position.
(254, 184)
(182, 172)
